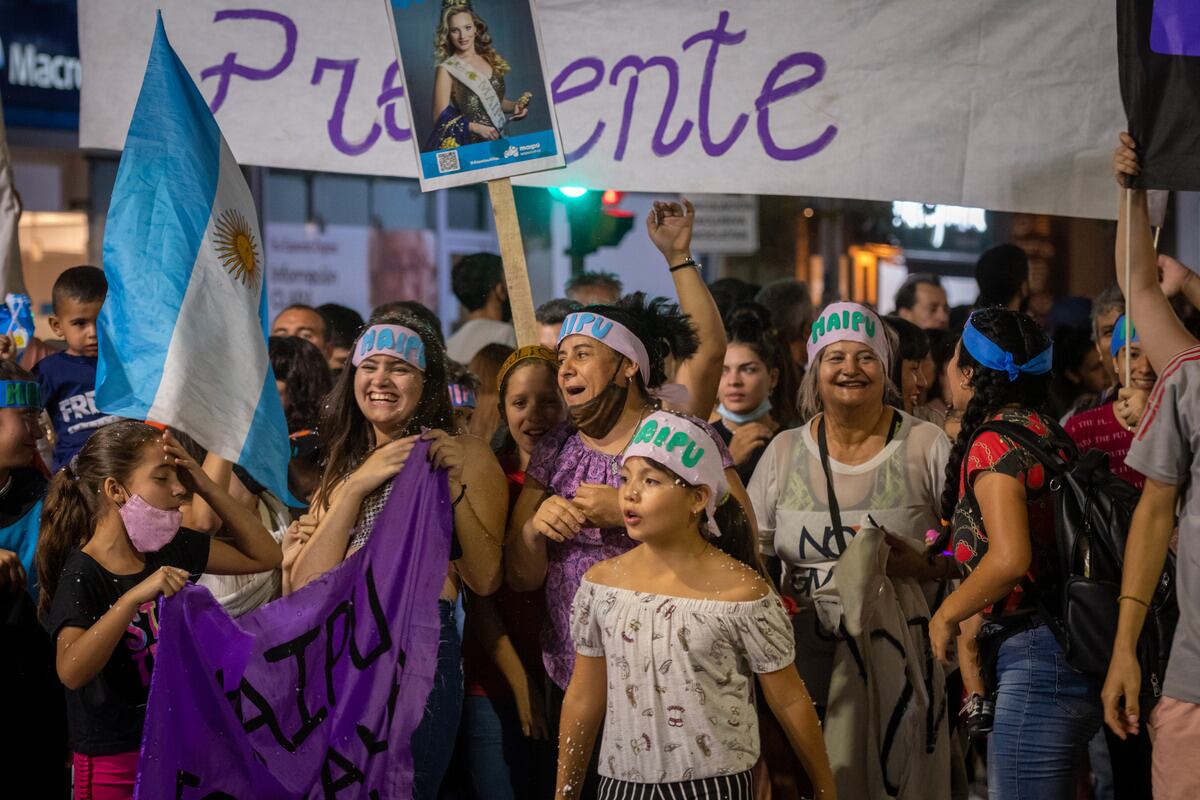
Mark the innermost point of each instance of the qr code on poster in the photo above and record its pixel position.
(447, 161)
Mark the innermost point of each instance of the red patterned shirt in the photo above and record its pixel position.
(992, 452)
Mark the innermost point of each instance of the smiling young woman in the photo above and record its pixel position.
(391, 394)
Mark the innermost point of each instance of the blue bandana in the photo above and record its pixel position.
(990, 355)
(1118, 337)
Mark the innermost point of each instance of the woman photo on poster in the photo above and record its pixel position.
(469, 105)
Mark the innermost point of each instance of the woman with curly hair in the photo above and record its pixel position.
(612, 375)
(998, 498)
(469, 105)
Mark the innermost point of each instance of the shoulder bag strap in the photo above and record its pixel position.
(823, 445)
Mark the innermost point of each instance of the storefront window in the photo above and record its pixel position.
(51, 241)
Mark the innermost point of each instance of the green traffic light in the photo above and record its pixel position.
(568, 192)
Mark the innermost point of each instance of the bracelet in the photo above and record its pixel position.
(461, 493)
(1137, 600)
(689, 262)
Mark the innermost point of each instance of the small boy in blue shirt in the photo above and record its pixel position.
(68, 379)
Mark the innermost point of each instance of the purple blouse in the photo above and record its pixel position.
(561, 462)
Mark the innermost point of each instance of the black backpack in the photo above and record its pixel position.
(1093, 509)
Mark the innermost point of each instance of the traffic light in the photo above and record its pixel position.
(596, 220)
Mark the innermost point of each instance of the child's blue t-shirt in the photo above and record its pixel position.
(69, 393)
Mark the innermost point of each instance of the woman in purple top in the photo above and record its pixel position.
(612, 373)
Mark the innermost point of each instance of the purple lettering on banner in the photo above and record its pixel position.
(1175, 28)
(560, 95)
(718, 36)
(773, 92)
(230, 67)
(390, 94)
(338, 117)
(315, 692)
(639, 65)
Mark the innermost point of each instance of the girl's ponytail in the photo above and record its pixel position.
(737, 537)
(67, 523)
(74, 501)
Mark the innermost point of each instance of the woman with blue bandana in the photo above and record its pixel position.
(1110, 427)
(1001, 507)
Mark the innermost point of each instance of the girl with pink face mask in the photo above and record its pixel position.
(112, 541)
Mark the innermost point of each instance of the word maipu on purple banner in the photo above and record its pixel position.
(317, 694)
(1158, 47)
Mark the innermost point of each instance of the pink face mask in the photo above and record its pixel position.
(150, 529)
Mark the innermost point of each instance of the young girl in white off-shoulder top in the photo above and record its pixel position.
(670, 636)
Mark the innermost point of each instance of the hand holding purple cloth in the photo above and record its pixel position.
(316, 694)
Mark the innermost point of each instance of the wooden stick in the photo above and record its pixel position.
(1157, 231)
(512, 252)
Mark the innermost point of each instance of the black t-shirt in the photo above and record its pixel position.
(28, 486)
(106, 715)
(744, 471)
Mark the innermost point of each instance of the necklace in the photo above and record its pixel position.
(7, 485)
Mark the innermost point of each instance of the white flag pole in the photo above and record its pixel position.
(1128, 274)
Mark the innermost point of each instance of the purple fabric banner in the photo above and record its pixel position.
(314, 695)
(1175, 28)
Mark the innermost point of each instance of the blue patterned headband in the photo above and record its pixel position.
(992, 356)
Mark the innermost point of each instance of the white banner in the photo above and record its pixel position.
(1010, 105)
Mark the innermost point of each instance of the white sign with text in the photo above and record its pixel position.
(1010, 106)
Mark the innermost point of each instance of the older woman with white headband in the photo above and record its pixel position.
(857, 462)
(391, 394)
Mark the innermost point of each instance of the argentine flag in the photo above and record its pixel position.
(183, 329)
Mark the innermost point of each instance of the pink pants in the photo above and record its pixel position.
(1175, 734)
(105, 777)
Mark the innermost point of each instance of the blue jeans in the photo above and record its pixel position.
(504, 763)
(433, 740)
(1046, 712)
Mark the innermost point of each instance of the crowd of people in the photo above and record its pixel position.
(730, 545)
